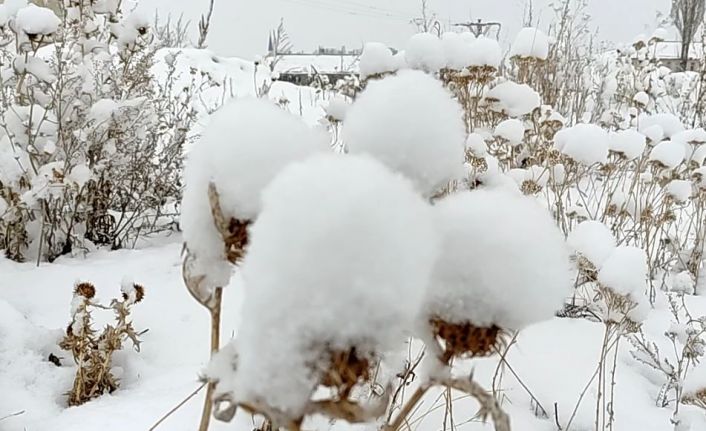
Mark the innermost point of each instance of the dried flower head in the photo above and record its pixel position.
(85, 289)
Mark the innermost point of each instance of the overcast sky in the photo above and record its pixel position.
(240, 27)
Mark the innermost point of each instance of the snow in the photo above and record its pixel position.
(424, 51)
(35, 66)
(680, 190)
(511, 130)
(670, 154)
(9, 10)
(593, 240)
(660, 34)
(630, 143)
(515, 100)
(475, 143)
(511, 276)
(641, 98)
(530, 43)
(670, 124)
(486, 52)
(585, 143)
(376, 59)
(35, 20)
(40, 124)
(326, 212)
(625, 271)
(246, 144)
(457, 51)
(336, 108)
(654, 133)
(392, 121)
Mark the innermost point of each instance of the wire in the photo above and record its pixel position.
(374, 8)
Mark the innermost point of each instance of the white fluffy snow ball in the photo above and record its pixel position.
(503, 261)
(425, 52)
(376, 59)
(593, 240)
(246, 143)
(625, 270)
(457, 51)
(530, 43)
(630, 143)
(511, 130)
(411, 123)
(38, 21)
(340, 257)
(585, 143)
(513, 99)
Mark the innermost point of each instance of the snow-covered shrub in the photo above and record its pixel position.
(412, 124)
(504, 265)
(245, 145)
(372, 241)
(90, 140)
(92, 351)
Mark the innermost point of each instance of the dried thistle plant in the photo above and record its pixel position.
(93, 352)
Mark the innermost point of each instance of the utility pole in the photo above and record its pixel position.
(480, 28)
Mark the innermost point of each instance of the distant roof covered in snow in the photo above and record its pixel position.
(672, 49)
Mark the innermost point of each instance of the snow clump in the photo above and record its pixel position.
(629, 143)
(411, 123)
(245, 145)
(513, 99)
(511, 130)
(530, 43)
(376, 59)
(425, 52)
(585, 143)
(371, 240)
(625, 270)
(593, 240)
(503, 261)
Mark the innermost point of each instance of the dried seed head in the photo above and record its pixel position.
(466, 339)
(85, 289)
(346, 369)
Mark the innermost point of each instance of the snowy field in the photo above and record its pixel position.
(555, 359)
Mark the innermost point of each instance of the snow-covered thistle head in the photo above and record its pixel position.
(245, 145)
(339, 260)
(411, 124)
(503, 265)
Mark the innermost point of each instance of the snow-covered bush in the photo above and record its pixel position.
(90, 140)
(412, 124)
(246, 144)
(92, 351)
(504, 265)
(327, 211)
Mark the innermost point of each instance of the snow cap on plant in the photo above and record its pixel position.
(376, 60)
(512, 99)
(339, 237)
(411, 123)
(425, 52)
(593, 240)
(530, 43)
(503, 264)
(244, 146)
(585, 143)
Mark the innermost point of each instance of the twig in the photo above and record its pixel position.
(12, 415)
(177, 407)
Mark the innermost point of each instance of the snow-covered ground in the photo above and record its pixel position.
(554, 359)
